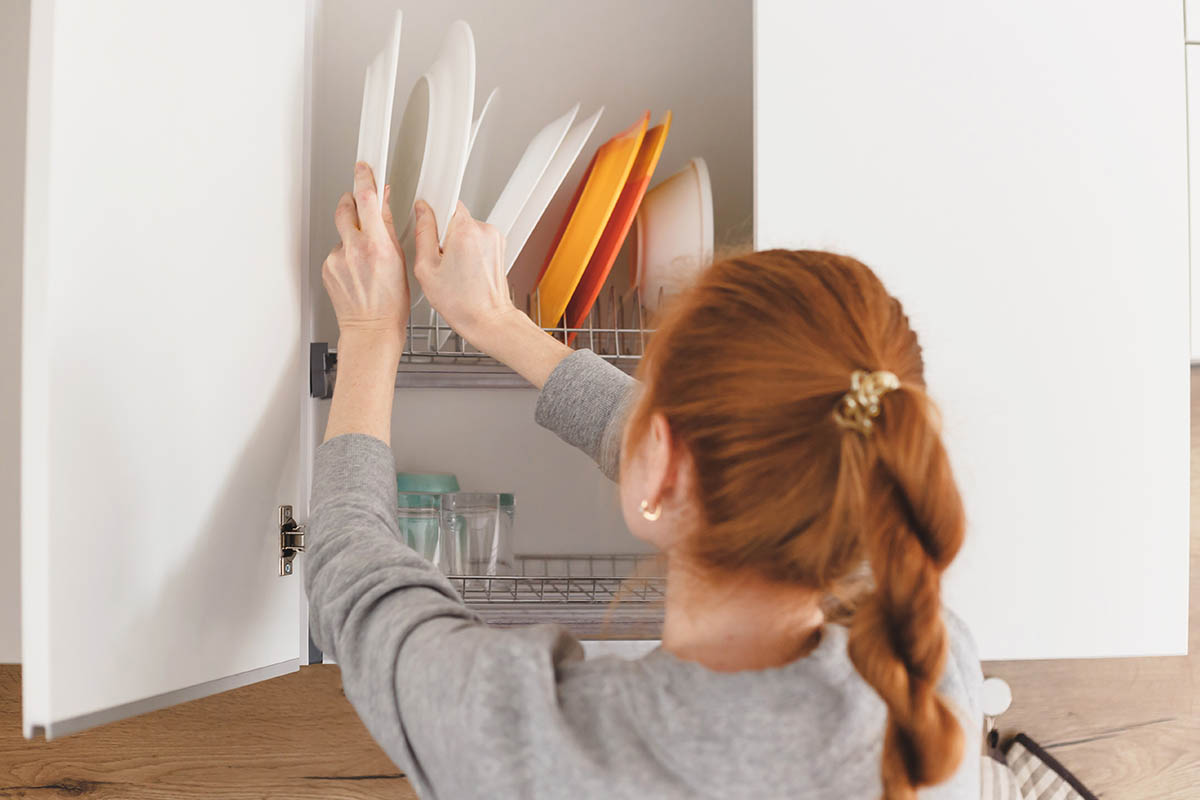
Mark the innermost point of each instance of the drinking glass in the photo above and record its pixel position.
(476, 533)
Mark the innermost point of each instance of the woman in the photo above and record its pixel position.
(782, 438)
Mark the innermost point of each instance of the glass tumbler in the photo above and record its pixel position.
(419, 518)
(477, 531)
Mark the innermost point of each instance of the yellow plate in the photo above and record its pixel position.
(586, 219)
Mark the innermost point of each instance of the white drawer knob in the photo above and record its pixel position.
(997, 696)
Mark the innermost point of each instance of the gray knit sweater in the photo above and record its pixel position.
(470, 711)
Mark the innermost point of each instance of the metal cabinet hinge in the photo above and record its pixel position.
(291, 540)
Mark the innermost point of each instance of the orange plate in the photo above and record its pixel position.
(585, 220)
(617, 229)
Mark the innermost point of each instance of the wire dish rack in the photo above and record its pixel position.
(589, 579)
(595, 596)
(436, 357)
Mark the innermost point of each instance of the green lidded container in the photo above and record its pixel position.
(426, 482)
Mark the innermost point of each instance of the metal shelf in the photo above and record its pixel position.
(493, 589)
(594, 596)
(436, 357)
(569, 579)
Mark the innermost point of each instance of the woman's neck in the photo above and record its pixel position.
(732, 622)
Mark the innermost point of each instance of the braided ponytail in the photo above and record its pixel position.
(746, 367)
(912, 528)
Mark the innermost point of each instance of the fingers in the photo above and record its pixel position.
(461, 217)
(425, 236)
(462, 221)
(366, 200)
(388, 222)
(345, 217)
(500, 244)
(332, 265)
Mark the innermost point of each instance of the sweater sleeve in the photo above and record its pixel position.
(423, 673)
(368, 593)
(585, 402)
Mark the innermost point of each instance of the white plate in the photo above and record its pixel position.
(374, 124)
(452, 131)
(529, 170)
(553, 176)
(479, 120)
(434, 142)
(452, 85)
(410, 153)
(477, 155)
(472, 171)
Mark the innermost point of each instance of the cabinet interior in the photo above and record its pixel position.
(693, 58)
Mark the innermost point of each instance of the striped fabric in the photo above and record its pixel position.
(997, 781)
(1039, 775)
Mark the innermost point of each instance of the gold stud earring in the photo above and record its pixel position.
(651, 515)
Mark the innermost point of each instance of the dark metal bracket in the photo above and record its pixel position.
(321, 363)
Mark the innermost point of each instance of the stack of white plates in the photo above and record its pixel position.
(434, 140)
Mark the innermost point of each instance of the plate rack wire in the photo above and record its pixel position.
(435, 356)
(596, 580)
(593, 596)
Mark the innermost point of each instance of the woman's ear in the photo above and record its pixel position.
(660, 474)
(657, 454)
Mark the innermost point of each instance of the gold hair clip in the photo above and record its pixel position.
(861, 404)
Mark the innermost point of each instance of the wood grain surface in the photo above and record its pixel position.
(1129, 728)
(291, 737)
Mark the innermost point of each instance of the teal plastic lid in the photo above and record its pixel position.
(418, 500)
(426, 482)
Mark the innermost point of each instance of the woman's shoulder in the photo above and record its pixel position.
(961, 643)
(962, 680)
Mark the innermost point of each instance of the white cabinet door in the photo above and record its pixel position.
(1016, 173)
(163, 376)
(14, 56)
(1193, 88)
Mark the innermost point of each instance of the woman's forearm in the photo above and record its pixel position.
(366, 384)
(367, 284)
(516, 340)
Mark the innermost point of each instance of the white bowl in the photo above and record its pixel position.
(674, 230)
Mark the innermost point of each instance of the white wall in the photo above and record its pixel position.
(627, 55)
(14, 55)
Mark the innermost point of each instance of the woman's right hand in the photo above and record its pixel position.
(465, 282)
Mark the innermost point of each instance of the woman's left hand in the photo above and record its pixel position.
(365, 274)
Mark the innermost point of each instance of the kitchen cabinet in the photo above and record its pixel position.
(1193, 83)
(1017, 175)
(181, 167)
(14, 59)
(163, 370)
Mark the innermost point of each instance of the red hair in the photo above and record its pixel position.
(748, 367)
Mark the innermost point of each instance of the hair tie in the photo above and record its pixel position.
(861, 404)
